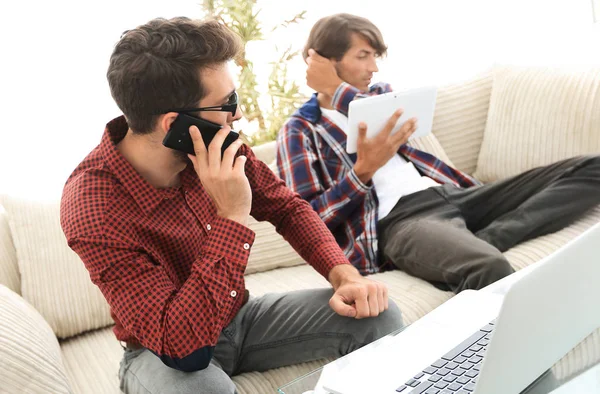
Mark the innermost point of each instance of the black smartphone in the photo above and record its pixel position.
(178, 137)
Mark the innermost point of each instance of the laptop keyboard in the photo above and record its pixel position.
(456, 372)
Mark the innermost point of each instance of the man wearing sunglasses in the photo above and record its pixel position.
(392, 206)
(164, 235)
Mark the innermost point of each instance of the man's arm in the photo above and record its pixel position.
(355, 296)
(345, 93)
(292, 217)
(298, 166)
(180, 326)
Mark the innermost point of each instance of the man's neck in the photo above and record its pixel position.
(157, 165)
(324, 100)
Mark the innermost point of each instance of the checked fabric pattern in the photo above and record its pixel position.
(171, 269)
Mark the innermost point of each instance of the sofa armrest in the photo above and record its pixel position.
(460, 117)
(30, 358)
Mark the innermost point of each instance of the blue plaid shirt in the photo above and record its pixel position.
(312, 160)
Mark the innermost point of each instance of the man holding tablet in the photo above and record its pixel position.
(393, 206)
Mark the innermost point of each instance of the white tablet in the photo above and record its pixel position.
(375, 111)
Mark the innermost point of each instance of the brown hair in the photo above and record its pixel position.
(331, 36)
(157, 66)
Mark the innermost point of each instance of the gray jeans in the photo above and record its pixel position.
(269, 332)
(455, 237)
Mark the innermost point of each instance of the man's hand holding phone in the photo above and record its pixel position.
(223, 179)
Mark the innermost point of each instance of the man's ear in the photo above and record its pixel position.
(165, 121)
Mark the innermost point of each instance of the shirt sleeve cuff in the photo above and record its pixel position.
(342, 97)
(357, 184)
(229, 239)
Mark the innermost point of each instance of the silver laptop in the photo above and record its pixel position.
(494, 341)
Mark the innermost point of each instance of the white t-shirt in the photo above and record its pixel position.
(395, 179)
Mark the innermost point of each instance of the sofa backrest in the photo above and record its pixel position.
(460, 118)
(538, 116)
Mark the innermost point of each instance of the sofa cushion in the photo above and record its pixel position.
(461, 111)
(30, 358)
(538, 116)
(9, 270)
(53, 278)
(92, 362)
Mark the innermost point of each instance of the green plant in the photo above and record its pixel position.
(242, 16)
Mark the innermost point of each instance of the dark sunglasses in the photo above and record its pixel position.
(230, 106)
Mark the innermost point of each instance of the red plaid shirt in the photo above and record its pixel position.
(312, 159)
(171, 269)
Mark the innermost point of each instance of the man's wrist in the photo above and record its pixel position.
(363, 174)
(342, 273)
(330, 91)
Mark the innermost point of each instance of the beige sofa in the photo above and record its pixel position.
(55, 327)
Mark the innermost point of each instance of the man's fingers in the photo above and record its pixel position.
(229, 154)
(340, 307)
(362, 132)
(362, 304)
(380, 298)
(386, 298)
(312, 54)
(405, 131)
(214, 149)
(239, 166)
(373, 300)
(390, 124)
(199, 147)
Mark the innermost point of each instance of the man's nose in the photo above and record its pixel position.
(238, 114)
(373, 66)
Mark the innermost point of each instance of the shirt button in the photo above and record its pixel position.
(208, 227)
(246, 246)
(233, 293)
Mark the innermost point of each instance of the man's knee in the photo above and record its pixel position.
(147, 374)
(487, 272)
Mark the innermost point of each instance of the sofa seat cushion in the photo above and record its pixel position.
(92, 362)
(53, 278)
(538, 116)
(30, 358)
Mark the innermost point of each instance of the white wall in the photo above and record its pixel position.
(55, 99)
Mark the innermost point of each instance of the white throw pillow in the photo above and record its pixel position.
(30, 358)
(538, 116)
(53, 278)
